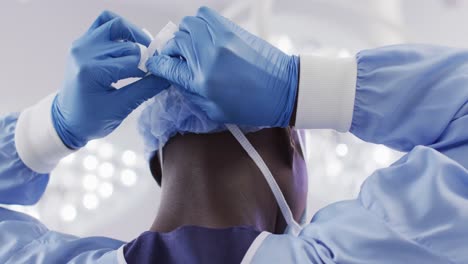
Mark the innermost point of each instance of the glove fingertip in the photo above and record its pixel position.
(204, 10)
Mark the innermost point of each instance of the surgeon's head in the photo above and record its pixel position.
(209, 180)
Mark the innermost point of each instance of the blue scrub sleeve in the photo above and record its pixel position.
(18, 184)
(409, 95)
(412, 212)
(412, 98)
(24, 239)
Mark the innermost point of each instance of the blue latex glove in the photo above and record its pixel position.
(232, 75)
(88, 106)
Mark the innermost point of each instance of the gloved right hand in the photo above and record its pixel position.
(88, 106)
(234, 76)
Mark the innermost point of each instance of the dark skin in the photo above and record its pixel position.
(210, 181)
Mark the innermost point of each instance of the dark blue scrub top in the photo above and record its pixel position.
(191, 244)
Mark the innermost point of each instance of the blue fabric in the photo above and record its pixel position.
(170, 113)
(23, 239)
(25, 187)
(412, 98)
(191, 244)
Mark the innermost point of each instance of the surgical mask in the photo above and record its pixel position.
(170, 113)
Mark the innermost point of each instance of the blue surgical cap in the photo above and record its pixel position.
(170, 113)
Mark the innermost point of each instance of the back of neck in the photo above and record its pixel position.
(209, 181)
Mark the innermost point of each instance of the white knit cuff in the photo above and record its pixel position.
(326, 93)
(37, 142)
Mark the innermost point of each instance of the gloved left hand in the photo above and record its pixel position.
(88, 106)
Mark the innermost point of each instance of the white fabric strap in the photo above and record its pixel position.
(248, 257)
(166, 33)
(302, 136)
(143, 57)
(120, 255)
(38, 144)
(326, 93)
(283, 205)
(161, 158)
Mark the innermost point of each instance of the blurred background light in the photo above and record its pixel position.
(129, 158)
(92, 145)
(106, 189)
(128, 177)
(341, 150)
(90, 162)
(90, 201)
(106, 151)
(344, 53)
(69, 159)
(106, 170)
(285, 44)
(382, 155)
(68, 213)
(90, 182)
(67, 180)
(334, 168)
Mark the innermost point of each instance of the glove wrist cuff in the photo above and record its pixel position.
(37, 142)
(293, 73)
(67, 138)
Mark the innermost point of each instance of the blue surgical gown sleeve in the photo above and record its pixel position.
(23, 239)
(413, 95)
(18, 183)
(412, 98)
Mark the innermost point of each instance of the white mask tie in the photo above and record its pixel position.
(295, 228)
